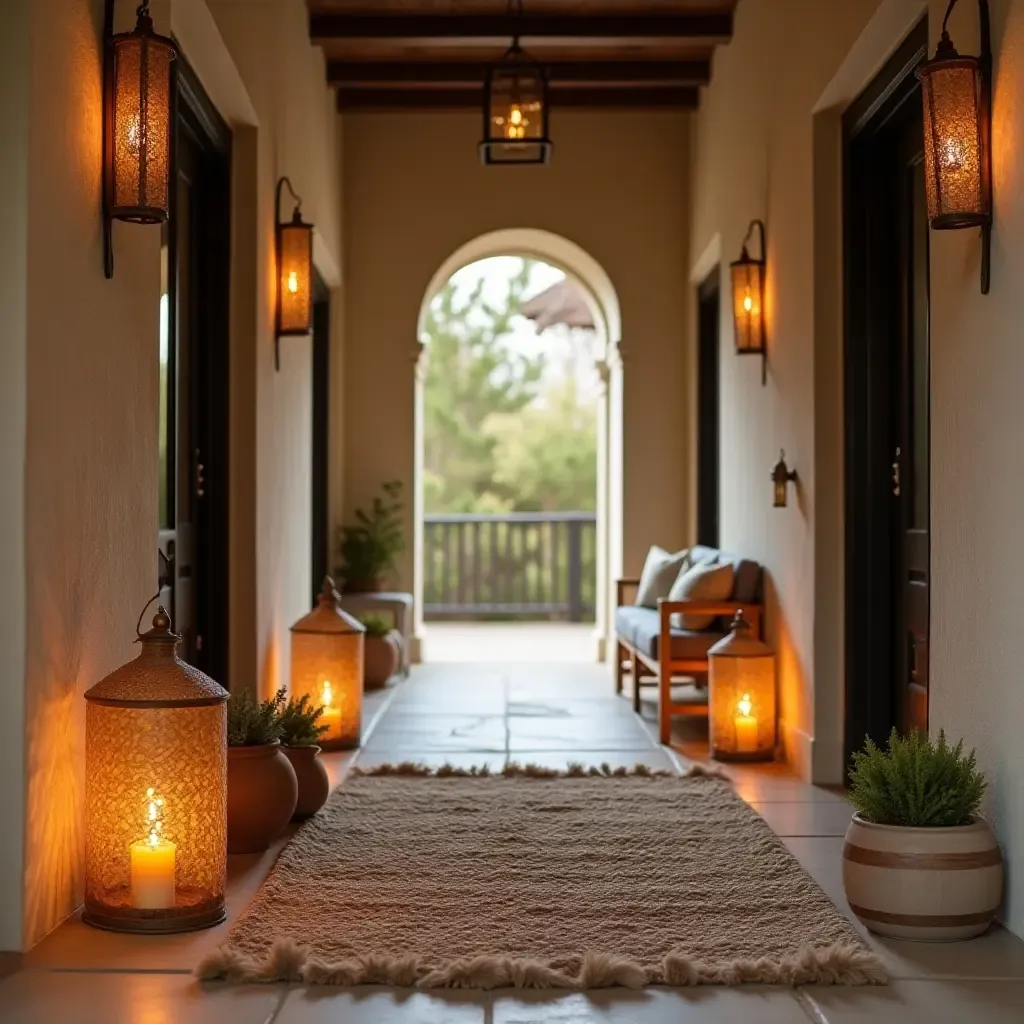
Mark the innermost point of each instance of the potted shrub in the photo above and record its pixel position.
(262, 787)
(369, 548)
(381, 652)
(299, 734)
(919, 862)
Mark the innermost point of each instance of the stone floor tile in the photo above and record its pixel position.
(45, 997)
(567, 707)
(807, 818)
(440, 741)
(934, 1002)
(703, 1005)
(559, 759)
(576, 734)
(371, 1005)
(409, 727)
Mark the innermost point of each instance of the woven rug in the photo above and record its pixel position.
(538, 879)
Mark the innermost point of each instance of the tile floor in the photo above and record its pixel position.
(547, 713)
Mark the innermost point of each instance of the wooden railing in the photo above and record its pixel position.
(523, 565)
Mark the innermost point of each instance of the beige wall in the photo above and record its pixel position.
(79, 445)
(415, 192)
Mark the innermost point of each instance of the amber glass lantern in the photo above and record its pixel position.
(294, 271)
(139, 124)
(327, 665)
(515, 111)
(156, 793)
(747, 275)
(741, 696)
(782, 477)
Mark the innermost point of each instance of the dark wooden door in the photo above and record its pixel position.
(321, 429)
(194, 382)
(707, 410)
(886, 405)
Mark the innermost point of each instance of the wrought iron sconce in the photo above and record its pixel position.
(138, 125)
(957, 95)
(782, 477)
(516, 108)
(748, 300)
(294, 244)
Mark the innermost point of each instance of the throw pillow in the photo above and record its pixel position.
(660, 569)
(704, 582)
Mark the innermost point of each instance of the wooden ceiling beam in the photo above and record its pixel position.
(650, 97)
(325, 25)
(683, 72)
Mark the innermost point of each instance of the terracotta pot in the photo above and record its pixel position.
(931, 884)
(380, 660)
(314, 784)
(262, 793)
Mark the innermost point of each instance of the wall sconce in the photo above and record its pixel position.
(748, 300)
(782, 476)
(155, 792)
(294, 272)
(957, 96)
(138, 125)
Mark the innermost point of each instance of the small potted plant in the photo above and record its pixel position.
(369, 548)
(262, 787)
(919, 861)
(299, 734)
(381, 652)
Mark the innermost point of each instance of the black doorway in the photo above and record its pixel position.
(321, 428)
(707, 410)
(194, 353)
(886, 411)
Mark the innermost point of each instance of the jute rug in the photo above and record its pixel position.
(539, 879)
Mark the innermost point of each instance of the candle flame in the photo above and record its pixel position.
(327, 695)
(744, 705)
(748, 303)
(154, 816)
(293, 282)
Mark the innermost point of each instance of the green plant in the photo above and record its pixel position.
(253, 723)
(368, 550)
(298, 723)
(375, 625)
(916, 782)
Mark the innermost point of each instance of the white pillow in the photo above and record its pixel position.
(660, 569)
(705, 581)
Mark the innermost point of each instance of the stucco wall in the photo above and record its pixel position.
(415, 192)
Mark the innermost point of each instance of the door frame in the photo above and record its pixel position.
(870, 689)
(708, 404)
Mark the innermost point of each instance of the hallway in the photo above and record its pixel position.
(475, 714)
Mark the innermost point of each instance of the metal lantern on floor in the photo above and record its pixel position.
(156, 792)
(327, 665)
(741, 684)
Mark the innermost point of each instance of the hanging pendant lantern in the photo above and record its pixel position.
(156, 793)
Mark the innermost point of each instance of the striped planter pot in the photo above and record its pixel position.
(930, 884)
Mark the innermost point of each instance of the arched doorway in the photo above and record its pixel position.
(602, 302)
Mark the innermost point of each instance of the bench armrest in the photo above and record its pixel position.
(752, 612)
(622, 585)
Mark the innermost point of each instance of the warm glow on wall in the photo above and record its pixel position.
(327, 665)
(156, 797)
(138, 126)
(741, 685)
(956, 91)
(294, 271)
(747, 276)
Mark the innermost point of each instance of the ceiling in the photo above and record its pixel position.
(432, 54)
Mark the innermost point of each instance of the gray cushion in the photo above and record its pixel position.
(746, 585)
(702, 553)
(661, 567)
(641, 626)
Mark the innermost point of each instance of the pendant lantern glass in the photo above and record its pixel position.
(156, 793)
(294, 270)
(516, 111)
(327, 666)
(140, 123)
(747, 274)
(741, 696)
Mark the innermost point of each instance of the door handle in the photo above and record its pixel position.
(896, 474)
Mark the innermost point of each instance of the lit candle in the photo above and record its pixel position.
(331, 716)
(746, 726)
(152, 862)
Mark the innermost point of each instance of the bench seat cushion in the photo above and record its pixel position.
(640, 627)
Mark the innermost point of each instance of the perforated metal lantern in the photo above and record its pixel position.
(741, 696)
(516, 111)
(327, 665)
(156, 793)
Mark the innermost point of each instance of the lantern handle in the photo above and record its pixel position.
(759, 224)
(283, 181)
(138, 625)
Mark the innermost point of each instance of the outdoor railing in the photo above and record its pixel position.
(522, 565)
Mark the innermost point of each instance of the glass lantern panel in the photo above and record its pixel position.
(296, 284)
(742, 705)
(516, 120)
(328, 667)
(747, 293)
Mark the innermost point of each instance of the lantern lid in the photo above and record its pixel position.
(741, 642)
(157, 677)
(327, 617)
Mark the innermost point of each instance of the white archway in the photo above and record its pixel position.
(603, 300)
